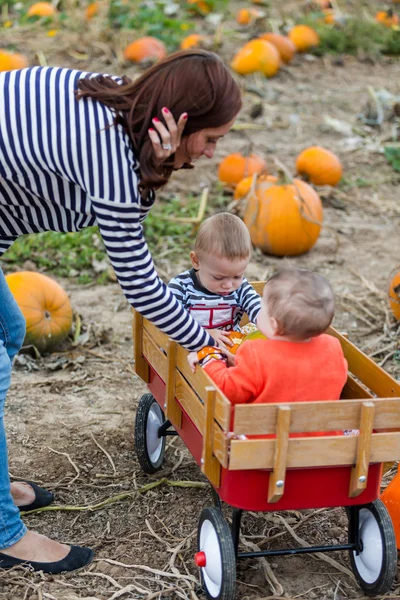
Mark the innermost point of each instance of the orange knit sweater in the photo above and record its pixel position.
(280, 371)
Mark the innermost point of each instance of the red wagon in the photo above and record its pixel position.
(278, 471)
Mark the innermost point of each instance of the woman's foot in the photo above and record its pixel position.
(22, 493)
(36, 547)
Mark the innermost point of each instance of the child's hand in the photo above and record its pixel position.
(231, 358)
(221, 337)
(193, 359)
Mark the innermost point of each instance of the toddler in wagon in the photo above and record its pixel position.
(298, 361)
(215, 291)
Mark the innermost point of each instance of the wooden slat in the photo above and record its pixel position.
(366, 370)
(156, 357)
(221, 446)
(277, 479)
(158, 337)
(312, 451)
(199, 381)
(359, 473)
(353, 390)
(189, 401)
(209, 464)
(173, 411)
(255, 419)
(141, 367)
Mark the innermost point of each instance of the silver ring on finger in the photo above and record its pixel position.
(167, 146)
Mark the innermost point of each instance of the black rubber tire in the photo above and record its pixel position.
(384, 579)
(146, 404)
(226, 553)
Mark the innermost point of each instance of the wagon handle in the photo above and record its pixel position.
(141, 366)
(359, 473)
(276, 485)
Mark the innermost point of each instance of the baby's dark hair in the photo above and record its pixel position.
(301, 301)
(224, 235)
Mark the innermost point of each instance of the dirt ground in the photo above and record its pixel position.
(70, 415)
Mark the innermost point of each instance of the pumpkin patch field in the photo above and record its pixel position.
(312, 166)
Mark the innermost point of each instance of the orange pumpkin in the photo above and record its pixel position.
(144, 48)
(201, 6)
(244, 186)
(282, 43)
(257, 55)
(248, 15)
(45, 306)
(303, 37)
(92, 10)
(235, 167)
(394, 295)
(42, 9)
(387, 17)
(192, 41)
(284, 220)
(319, 166)
(391, 498)
(9, 61)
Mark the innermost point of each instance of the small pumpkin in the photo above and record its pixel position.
(387, 18)
(91, 10)
(244, 186)
(236, 337)
(394, 295)
(201, 6)
(319, 166)
(245, 16)
(9, 61)
(42, 9)
(284, 220)
(257, 55)
(145, 48)
(235, 167)
(304, 37)
(194, 40)
(45, 306)
(282, 43)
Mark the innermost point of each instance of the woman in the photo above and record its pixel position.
(78, 149)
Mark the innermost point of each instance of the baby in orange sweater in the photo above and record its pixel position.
(298, 361)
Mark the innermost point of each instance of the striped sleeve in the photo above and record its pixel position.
(122, 234)
(249, 300)
(178, 290)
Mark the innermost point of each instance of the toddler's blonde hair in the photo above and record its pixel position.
(301, 301)
(223, 235)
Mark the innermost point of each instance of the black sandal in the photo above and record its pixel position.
(78, 557)
(42, 497)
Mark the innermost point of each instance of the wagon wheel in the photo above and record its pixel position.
(150, 448)
(216, 555)
(375, 565)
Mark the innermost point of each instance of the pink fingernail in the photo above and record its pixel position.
(151, 129)
(156, 120)
(165, 110)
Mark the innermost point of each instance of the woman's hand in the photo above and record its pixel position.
(166, 138)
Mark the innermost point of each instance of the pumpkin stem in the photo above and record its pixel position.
(284, 176)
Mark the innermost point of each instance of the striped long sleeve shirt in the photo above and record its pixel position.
(64, 166)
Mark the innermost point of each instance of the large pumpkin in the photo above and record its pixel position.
(235, 167)
(145, 48)
(319, 166)
(257, 55)
(284, 220)
(42, 9)
(45, 306)
(244, 186)
(282, 43)
(394, 295)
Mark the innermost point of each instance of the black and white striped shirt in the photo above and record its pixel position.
(211, 310)
(63, 167)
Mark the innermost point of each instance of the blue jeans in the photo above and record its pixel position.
(12, 333)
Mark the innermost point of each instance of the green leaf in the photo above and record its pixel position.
(392, 155)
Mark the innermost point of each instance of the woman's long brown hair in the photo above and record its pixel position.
(192, 81)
